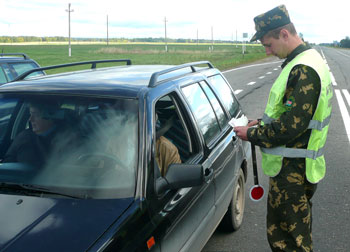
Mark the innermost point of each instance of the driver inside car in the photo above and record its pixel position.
(45, 137)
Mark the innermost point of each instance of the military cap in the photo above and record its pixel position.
(270, 20)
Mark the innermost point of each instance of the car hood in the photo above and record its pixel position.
(45, 224)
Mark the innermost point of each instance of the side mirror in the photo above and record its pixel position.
(180, 176)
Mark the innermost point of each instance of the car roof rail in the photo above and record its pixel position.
(154, 78)
(25, 56)
(93, 66)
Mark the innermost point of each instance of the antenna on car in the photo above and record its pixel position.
(93, 66)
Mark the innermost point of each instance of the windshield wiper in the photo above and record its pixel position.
(34, 189)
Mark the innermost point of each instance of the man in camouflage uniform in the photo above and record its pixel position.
(289, 218)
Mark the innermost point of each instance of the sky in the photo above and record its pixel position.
(318, 21)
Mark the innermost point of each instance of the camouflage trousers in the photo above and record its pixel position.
(289, 217)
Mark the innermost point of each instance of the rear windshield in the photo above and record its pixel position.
(85, 147)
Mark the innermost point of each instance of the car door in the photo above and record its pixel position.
(182, 215)
(226, 150)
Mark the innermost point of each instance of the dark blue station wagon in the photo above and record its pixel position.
(83, 167)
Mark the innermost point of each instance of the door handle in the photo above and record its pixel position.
(234, 140)
(208, 174)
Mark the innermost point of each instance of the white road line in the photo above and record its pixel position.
(344, 111)
(333, 79)
(347, 95)
(251, 83)
(275, 69)
(269, 63)
(261, 77)
(269, 73)
(238, 91)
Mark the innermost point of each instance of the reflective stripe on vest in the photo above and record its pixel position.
(314, 124)
(293, 153)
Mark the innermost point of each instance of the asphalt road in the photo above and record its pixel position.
(331, 210)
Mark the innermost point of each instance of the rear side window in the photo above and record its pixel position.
(203, 111)
(225, 93)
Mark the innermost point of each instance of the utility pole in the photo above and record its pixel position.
(236, 39)
(166, 44)
(107, 30)
(69, 11)
(212, 39)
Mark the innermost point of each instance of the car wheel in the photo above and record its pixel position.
(233, 218)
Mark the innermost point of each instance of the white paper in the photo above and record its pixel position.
(242, 121)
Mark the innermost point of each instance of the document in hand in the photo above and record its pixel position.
(241, 121)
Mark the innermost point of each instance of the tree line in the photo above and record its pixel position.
(21, 39)
(345, 42)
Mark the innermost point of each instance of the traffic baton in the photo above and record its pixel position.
(257, 191)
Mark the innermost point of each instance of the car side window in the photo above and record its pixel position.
(3, 78)
(223, 120)
(23, 67)
(7, 72)
(203, 111)
(6, 109)
(172, 134)
(225, 94)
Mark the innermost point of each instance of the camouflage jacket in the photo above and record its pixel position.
(300, 98)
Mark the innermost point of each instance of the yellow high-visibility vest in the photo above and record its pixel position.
(313, 154)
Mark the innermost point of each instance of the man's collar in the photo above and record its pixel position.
(299, 49)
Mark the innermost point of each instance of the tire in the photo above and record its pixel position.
(233, 218)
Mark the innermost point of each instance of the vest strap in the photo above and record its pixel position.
(293, 153)
(314, 124)
(266, 119)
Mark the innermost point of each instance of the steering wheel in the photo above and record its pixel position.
(109, 160)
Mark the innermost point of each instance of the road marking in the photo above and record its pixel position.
(261, 77)
(275, 69)
(333, 79)
(269, 73)
(343, 110)
(347, 95)
(262, 64)
(251, 83)
(238, 91)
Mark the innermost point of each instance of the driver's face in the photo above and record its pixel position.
(39, 124)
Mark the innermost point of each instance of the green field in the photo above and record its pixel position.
(224, 56)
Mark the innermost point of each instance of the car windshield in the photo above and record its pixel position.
(78, 146)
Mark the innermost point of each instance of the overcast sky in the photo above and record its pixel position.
(318, 21)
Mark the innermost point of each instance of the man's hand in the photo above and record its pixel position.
(241, 132)
(252, 123)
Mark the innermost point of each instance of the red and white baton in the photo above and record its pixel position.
(257, 191)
